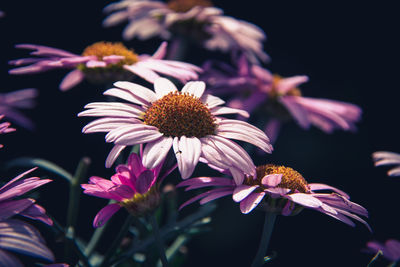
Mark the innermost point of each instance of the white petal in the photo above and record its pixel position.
(154, 153)
(138, 90)
(163, 87)
(194, 88)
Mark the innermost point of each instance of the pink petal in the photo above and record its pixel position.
(71, 79)
(105, 214)
(271, 180)
(242, 191)
(155, 152)
(306, 200)
(145, 181)
(286, 84)
(143, 72)
(113, 155)
(250, 202)
(161, 51)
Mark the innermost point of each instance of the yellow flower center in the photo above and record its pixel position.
(141, 204)
(102, 49)
(291, 179)
(178, 114)
(182, 6)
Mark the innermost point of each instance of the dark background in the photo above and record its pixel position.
(349, 51)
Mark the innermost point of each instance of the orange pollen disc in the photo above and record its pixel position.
(102, 49)
(291, 179)
(177, 114)
(185, 5)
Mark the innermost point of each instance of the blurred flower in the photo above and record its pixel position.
(257, 90)
(5, 128)
(15, 235)
(277, 189)
(134, 187)
(2, 14)
(103, 62)
(390, 250)
(196, 20)
(186, 121)
(20, 99)
(382, 158)
(25, 207)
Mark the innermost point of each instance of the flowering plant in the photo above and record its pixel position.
(174, 145)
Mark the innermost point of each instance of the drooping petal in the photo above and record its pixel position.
(306, 200)
(155, 152)
(72, 79)
(113, 155)
(250, 202)
(242, 191)
(105, 214)
(271, 180)
(187, 152)
(37, 212)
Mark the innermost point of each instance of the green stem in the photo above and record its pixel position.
(265, 238)
(168, 231)
(159, 241)
(117, 241)
(73, 205)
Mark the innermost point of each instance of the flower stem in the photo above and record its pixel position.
(158, 240)
(265, 238)
(117, 241)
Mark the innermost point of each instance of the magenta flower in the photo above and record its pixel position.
(382, 158)
(103, 61)
(197, 20)
(20, 99)
(133, 187)
(390, 250)
(187, 120)
(257, 89)
(15, 235)
(277, 189)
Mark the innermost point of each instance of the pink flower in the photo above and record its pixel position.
(103, 61)
(382, 158)
(187, 120)
(390, 250)
(20, 99)
(277, 189)
(256, 88)
(197, 20)
(15, 235)
(133, 187)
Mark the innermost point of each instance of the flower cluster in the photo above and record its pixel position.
(160, 113)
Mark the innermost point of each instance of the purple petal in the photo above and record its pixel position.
(271, 180)
(250, 202)
(317, 186)
(306, 200)
(145, 181)
(21, 237)
(215, 195)
(242, 191)
(37, 212)
(105, 214)
(199, 182)
(13, 207)
(71, 79)
(121, 192)
(286, 84)
(7, 259)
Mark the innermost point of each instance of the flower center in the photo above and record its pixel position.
(182, 6)
(141, 204)
(102, 49)
(291, 179)
(177, 114)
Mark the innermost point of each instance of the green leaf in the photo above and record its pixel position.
(42, 163)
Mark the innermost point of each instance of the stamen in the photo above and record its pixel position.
(185, 5)
(178, 114)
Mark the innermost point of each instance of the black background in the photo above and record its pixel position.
(348, 49)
